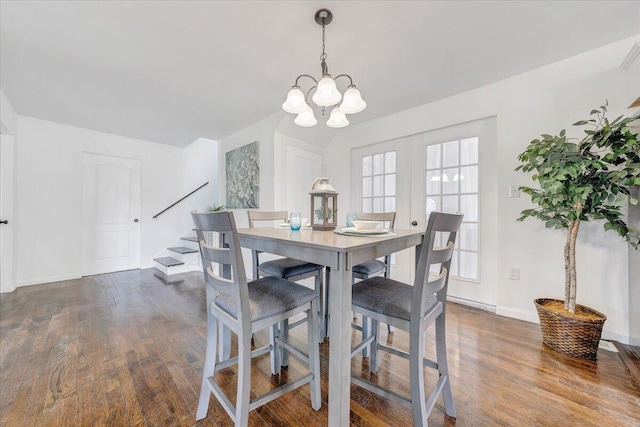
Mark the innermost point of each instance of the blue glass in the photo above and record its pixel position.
(351, 216)
(295, 221)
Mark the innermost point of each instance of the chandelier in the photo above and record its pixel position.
(326, 92)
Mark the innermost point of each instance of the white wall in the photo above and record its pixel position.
(263, 132)
(545, 100)
(49, 193)
(8, 116)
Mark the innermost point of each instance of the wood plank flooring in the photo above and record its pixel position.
(127, 349)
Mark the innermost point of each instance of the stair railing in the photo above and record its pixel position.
(169, 207)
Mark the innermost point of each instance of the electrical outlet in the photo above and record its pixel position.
(514, 273)
(514, 191)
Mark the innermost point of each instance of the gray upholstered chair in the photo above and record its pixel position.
(374, 267)
(246, 308)
(413, 309)
(287, 268)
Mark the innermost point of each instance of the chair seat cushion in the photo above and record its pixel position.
(269, 296)
(370, 268)
(387, 296)
(287, 267)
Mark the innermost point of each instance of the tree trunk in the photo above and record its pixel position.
(567, 267)
(572, 266)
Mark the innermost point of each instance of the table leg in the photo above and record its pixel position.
(340, 343)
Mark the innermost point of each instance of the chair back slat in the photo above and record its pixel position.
(220, 284)
(389, 217)
(215, 255)
(441, 255)
(266, 216)
(425, 283)
(227, 257)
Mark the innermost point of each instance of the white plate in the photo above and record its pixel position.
(353, 230)
(287, 226)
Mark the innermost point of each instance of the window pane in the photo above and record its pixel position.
(469, 150)
(367, 187)
(433, 182)
(433, 156)
(367, 205)
(377, 164)
(468, 236)
(377, 186)
(389, 204)
(468, 179)
(390, 162)
(366, 165)
(390, 185)
(468, 265)
(450, 153)
(378, 204)
(449, 185)
(454, 264)
(450, 204)
(469, 207)
(433, 204)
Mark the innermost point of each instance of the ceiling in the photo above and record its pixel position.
(174, 71)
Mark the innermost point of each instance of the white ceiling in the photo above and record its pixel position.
(174, 71)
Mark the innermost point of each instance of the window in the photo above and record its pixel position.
(379, 182)
(452, 186)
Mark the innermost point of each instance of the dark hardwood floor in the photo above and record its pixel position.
(126, 349)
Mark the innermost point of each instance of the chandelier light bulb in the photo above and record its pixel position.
(337, 119)
(306, 118)
(352, 101)
(295, 102)
(327, 93)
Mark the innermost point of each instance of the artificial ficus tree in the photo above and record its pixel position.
(583, 180)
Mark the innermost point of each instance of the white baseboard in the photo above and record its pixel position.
(48, 279)
(474, 304)
(517, 313)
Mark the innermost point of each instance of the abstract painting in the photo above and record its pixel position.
(243, 177)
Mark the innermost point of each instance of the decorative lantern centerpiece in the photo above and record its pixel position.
(324, 205)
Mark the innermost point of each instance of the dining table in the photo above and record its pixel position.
(339, 253)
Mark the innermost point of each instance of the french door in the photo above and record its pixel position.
(381, 183)
(453, 170)
(447, 170)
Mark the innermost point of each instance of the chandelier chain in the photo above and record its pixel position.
(323, 57)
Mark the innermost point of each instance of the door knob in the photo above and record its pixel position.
(136, 220)
(414, 223)
(4, 222)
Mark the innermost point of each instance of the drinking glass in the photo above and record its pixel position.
(295, 221)
(351, 216)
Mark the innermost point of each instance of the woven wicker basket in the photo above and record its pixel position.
(568, 335)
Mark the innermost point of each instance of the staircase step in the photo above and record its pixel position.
(168, 261)
(183, 250)
(190, 238)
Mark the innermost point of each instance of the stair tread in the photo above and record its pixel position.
(190, 238)
(168, 261)
(183, 250)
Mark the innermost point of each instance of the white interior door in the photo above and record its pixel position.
(453, 171)
(111, 214)
(381, 182)
(7, 282)
(302, 167)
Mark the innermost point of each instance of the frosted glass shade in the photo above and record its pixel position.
(352, 101)
(337, 119)
(306, 118)
(295, 102)
(326, 93)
